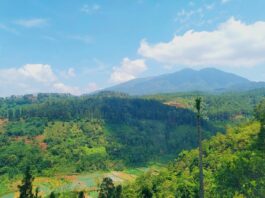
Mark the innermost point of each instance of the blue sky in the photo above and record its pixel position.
(79, 46)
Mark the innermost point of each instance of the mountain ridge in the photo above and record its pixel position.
(186, 80)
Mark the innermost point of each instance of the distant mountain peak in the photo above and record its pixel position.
(188, 79)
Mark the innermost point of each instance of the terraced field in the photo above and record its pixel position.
(80, 182)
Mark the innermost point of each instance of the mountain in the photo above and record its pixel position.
(206, 80)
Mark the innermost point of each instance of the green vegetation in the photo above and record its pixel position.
(108, 189)
(26, 188)
(65, 135)
(234, 166)
(233, 107)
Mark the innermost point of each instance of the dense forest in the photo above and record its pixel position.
(234, 166)
(61, 133)
(233, 107)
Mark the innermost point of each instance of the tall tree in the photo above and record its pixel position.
(107, 188)
(118, 191)
(260, 115)
(81, 194)
(25, 188)
(52, 195)
(198, 108)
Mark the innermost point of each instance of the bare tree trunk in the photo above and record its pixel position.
(198, 107)
(200, 157)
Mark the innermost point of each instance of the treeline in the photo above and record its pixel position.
(113, 109)
(222, 107)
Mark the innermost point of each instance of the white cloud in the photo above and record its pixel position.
(233, 43)
(32, 78)
(128, 70)
(69, 73)
(91, 87)
(37, 72)
(62, 88)
(36, 22)
(184, 16)
(90, 9)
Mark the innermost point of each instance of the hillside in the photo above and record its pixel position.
(234, 166)
(64, 134)
(78, 134)
(186, 80)
(232, 107)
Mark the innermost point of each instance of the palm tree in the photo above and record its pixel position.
(198, 108)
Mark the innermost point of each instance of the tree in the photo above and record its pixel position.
(107, 188)
(52, 195)
(260, 115)
(37, 190)
(25, 188)
(198, 108)
(118, 191)
(146, 193)
(81, 194)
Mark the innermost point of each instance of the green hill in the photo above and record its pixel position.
(234, 166)
(62, 133)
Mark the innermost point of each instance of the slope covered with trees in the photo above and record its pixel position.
(234, 166)
(63, 133)
(57, 133)
(233, 107)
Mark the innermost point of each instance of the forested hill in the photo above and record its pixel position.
(234, 166)
(187, 80)
(231, 106)
(63, 133)
(60, 133)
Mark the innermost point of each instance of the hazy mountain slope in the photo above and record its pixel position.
(207, 80)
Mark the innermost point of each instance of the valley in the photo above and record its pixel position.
(132, 99)
(73, 143)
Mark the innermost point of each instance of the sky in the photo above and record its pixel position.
(79, 46)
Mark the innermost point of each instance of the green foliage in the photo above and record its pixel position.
(260, 115)
(226, 107)
(30, 127)
(26, 188)
(15, 156)
(67, 195)
(233, 166)
(260, 111)
(57, 133)
(108, 189)
(81, 194)
(62, 133)
(76, 145)
(244, 175)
